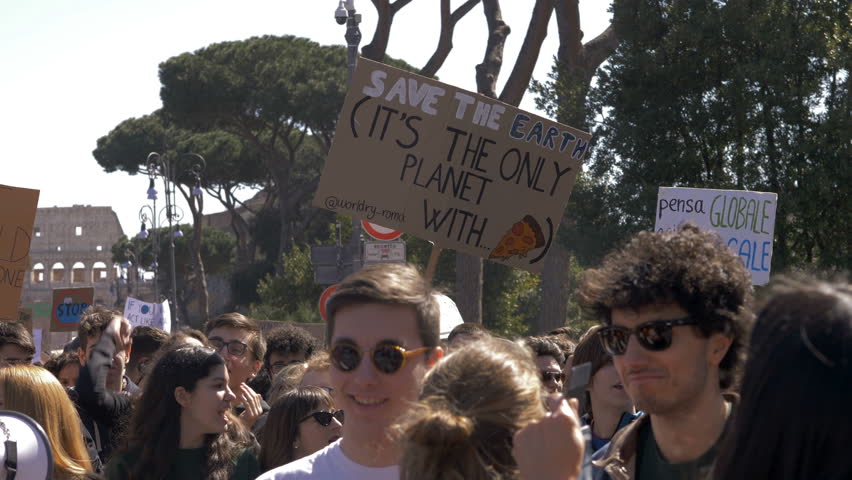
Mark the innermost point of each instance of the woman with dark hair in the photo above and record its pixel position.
(181, 426)
(65, 367)
(605, 407)
(302, 421)
(792, 421)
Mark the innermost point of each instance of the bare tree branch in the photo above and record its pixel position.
(375, 50)
(445, 40)
(488, 71)
(570, 35)
(578, 60)
(597, 50)
(519, 79)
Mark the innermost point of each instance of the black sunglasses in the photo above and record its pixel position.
(234, 347)
(324, 418)
(655, 335)
(548, 376)
(387, 357)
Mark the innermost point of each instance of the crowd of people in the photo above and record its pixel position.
(683, 376)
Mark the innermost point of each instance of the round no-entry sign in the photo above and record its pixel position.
(379, 232)
(326, 294)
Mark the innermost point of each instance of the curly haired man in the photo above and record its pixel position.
(674, 308)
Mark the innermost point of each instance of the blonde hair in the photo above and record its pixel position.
(319, 362)
(287, 379)
(472, 403)
(35, 392)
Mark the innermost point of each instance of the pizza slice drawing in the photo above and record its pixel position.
(524, 236)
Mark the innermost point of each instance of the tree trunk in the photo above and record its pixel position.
(469, 268)
(445, 39)
(577, 65)
(555, 279)
(375, 50)
(469, 287)
(201, 286)
(242, 232)
(196, 207)
(489, 69)
(519, 80)
(200, 275)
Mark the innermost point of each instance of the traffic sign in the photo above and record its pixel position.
(69, 304)
(384, 252)
(379, 232)
(326, 294)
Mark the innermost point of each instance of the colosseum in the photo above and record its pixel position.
(71, 247)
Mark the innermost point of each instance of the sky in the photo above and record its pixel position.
(75, 70)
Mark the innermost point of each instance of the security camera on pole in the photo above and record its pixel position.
(332, 263)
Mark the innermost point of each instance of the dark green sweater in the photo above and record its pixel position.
(189, 464)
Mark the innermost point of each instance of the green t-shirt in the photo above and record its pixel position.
(650, 464)
(189, 464)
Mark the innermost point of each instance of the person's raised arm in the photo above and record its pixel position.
(551, 448)
(92, 391)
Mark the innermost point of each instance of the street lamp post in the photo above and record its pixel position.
(345, 13)
(131, 263)
(148, 214)
(167, 168)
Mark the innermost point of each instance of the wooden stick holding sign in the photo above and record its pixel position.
(432, 266)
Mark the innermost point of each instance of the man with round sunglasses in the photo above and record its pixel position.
(383, 335)
(674, 308)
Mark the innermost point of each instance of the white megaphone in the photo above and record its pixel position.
(25, 452)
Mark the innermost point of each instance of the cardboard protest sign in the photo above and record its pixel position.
(69, 304)
(17, 215)
(744, 220)
(460, 169)
(151, 314)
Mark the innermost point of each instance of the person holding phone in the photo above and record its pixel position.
(604, 405)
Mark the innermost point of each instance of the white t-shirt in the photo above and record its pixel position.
(330, 463)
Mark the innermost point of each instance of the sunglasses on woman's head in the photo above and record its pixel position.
(387, 357)
(324, 417)
(655, 335)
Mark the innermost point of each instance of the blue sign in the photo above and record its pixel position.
(69, 304)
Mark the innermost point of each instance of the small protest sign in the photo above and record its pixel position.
(465, 171)
(69, 304)
(17, 215)
(140, 313)
(744, 220)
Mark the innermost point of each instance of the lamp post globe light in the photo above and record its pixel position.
(167, 167)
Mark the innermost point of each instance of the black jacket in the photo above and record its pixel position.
(105, 414)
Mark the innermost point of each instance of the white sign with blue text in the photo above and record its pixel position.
(744, 220)
(140, 313)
